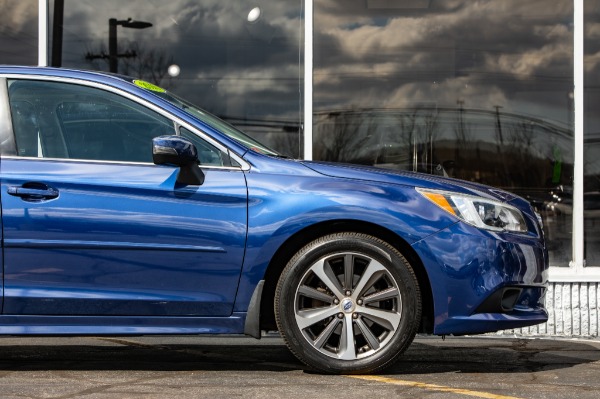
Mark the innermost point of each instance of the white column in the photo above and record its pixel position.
(308, 79)
(43, 33)
(578, 231)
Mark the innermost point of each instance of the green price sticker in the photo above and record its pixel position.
(148, 86)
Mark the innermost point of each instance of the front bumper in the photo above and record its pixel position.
(484, 281)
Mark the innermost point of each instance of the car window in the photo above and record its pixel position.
(208, 154)
(62, 120)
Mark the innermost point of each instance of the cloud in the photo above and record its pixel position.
(18, 32)
(18, 16)
(485, 52)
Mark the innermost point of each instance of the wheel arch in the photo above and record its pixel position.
(301, 238)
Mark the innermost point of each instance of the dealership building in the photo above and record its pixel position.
(501, 92)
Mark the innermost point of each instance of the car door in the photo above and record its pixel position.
(93, 227)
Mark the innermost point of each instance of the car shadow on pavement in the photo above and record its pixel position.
(426, 356)
(135, 354)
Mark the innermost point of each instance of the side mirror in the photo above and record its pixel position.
(178, 151)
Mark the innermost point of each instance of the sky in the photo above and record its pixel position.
(505, 53)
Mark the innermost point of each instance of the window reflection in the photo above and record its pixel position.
(591, 199)
(209, 52)
(479, 90)
(19, 32)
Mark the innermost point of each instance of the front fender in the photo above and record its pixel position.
(281, 206)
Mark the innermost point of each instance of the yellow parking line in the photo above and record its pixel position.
(431, 387)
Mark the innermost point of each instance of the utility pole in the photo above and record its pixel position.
(113, 56)
(57, 33)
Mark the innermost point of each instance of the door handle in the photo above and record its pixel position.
(33, 192)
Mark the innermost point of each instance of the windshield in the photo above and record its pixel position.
(209, 119)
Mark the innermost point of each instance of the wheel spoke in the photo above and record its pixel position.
(347, 348)
(389, 293)
(306, 318)
(326, 333)
(372, 273)
(315, 294)
(386, 319)
(348, 271)
(324, 272)
(368, 334)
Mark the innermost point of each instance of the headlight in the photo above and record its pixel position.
(477, 211)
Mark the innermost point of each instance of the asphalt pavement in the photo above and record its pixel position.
(239, 367)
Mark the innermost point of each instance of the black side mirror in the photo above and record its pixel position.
(178, 151)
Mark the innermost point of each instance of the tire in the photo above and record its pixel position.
(348, 303)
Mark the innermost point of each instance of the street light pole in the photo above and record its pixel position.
(113, 61)
(57, 33)
(113, 57)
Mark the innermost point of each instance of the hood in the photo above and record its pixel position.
(412, 179)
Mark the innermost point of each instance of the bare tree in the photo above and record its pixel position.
(464, 138)
(136, 60)
(342, 137)
(148, 64)
(520, 139)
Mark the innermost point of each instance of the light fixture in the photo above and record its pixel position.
(254, 14)
(173, 70)
(113, 57)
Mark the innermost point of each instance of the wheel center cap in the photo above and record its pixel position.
(347, 305)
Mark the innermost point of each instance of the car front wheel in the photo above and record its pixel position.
(348, 303)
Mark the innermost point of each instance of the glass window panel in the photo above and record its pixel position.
(19, 32)
(479, 90)
(207, 153)
(58, 120)
(237, 59)
(591, 199)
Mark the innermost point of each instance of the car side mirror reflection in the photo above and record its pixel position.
(181, 152)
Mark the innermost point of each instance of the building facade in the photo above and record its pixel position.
(501, 92)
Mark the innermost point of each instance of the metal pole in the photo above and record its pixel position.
(112, 45)
(57, 32)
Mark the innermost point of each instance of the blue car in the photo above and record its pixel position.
(127, 210)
